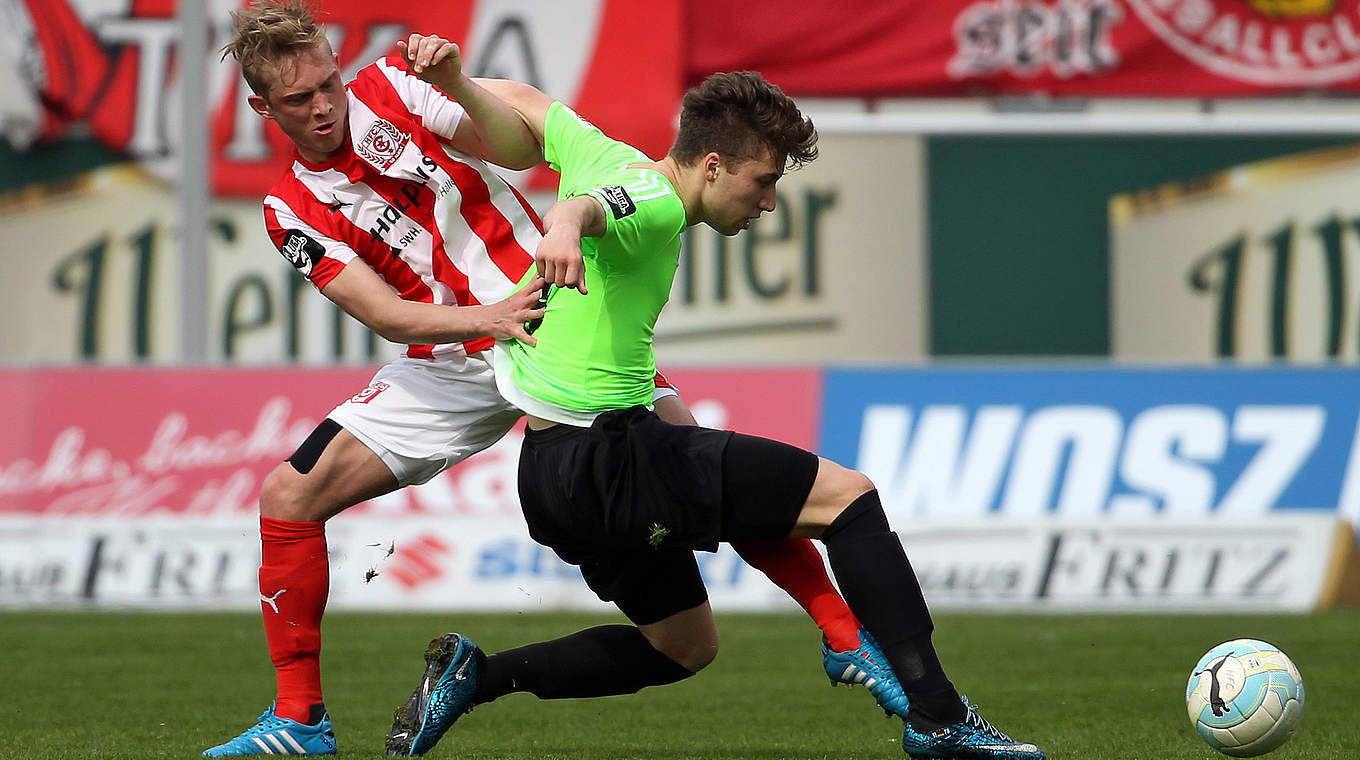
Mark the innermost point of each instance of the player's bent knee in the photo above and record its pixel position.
(858, 484)
(282, 494)
(689, 638)
(853, 483)
(841, 486)
(838, 485)
(834, 491)
(695, 655)
(287, 495)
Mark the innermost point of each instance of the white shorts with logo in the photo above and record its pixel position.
(422, 416)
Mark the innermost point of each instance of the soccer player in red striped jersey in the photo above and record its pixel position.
(391, 210)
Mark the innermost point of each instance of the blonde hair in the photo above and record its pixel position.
(269, 35)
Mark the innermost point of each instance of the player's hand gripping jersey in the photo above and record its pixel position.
(400, 198)
(594, 351)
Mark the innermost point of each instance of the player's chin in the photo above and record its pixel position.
(327, 142)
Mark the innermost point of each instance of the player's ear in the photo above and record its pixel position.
(260, 106)
(710, 162)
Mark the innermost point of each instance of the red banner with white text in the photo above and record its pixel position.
(111, 66)
(160, 443)
(1164, 48)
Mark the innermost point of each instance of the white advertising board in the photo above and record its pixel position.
(1272, 563)
(489, 563)
(434, 563)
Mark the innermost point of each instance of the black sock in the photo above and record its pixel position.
(931, 709)
(882, 590)
(596, 662)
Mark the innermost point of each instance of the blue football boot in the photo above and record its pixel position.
(272, 735)
(443, 696)
(973, 738)
(867, 666)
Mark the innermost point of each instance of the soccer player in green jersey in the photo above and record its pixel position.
(627, 497)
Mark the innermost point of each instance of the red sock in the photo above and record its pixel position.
(795, 565)
(294, 581)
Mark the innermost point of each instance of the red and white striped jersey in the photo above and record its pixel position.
(437, 225)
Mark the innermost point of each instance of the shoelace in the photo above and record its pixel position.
(976, 720)
(266, 724)
(268, 721)
(268, 715)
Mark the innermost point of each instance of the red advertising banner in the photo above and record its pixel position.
(157, 443)
(113, 67)
(1165, 48)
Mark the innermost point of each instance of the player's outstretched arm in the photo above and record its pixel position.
(493, 131)
(528, 101)
(366, 297)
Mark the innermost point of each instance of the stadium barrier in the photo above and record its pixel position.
(471, 563)
(1341, 586)
(1285, 563)
(1047, 488)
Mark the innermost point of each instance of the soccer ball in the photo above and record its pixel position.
(1245, 697)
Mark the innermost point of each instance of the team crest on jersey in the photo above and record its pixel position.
(301, 251)
(1265, 42)
(618, 200)
(382, 144)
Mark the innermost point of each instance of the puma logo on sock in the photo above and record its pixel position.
(272, 601)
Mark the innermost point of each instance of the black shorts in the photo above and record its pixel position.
(631, 497)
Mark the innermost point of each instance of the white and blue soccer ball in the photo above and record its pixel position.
(1245, 697)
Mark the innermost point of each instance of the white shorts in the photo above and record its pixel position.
(423, 416)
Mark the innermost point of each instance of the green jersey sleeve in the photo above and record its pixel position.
(641, 209)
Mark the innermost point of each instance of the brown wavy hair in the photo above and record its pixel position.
(270, 34)
(739, 116)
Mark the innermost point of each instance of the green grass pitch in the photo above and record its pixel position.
(92, 686)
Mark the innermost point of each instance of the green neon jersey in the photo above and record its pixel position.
(594, 352)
